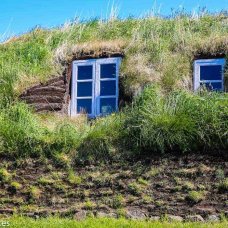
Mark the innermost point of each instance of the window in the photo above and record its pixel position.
(209, 73)
(95, 86)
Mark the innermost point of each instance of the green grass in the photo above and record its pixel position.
(158, 51)
(73, 178)
(160, 123)
(177, 122)
(102, 140)
(104, 223)
(223, 185)
(20, 131)
(5, 176)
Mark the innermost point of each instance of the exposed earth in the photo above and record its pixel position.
(190, 187)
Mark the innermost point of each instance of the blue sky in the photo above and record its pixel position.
(18, 16)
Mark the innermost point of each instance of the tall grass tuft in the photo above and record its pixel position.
(102, 141)
(65, 138)
(23, 134)
(7, 80)
(20, 132)
(177, 122)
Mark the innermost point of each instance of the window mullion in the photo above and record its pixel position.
(97, 89)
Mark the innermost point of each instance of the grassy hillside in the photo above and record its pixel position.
(166, 117)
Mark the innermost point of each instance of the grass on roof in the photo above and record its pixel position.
(156, 49)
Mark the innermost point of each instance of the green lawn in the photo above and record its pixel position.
(104, 222)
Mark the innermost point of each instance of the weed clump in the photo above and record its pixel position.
(14, 187)
(102, 140)
(5, 176)
(134, 188)
(74, 179)
(118, 201)
(195, 197)
(34, 193)
(187, 185)
(20, 132)
(223, 186)
(219, 174)
(89, 205)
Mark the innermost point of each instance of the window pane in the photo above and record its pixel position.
(108, 70)
(212, 85)
(85, 72)
(108, 88)
(211, 72)
(84, 106)
(107, 105)
(84, 89)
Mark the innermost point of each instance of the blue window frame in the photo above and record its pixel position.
(95, 87)
(209, 74)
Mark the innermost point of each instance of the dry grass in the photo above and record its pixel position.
(214, 45)
(138, 72)
(67, 52)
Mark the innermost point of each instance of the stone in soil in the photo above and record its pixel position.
(172, 218)
(106, 215)
(205, 210)
(213, 218)
(154, 218)
(135, 213)
(80, 215)
(194, 218)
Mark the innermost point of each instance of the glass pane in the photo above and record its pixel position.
(85, 72)
(108, 70)
(84, 89)
(107, 105)
(84, 106)
(212, 85)
(211, 72)
(108, 88)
